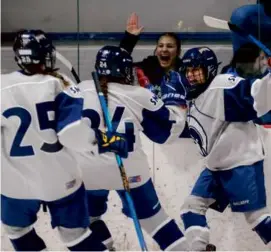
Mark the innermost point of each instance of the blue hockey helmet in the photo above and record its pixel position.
(199, 57)
(33, 47)
(115, 62)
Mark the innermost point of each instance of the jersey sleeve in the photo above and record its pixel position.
(72, 131)
(238, 103)
(129, 42)
(160, 123)
(261, 93)
(235, 99)
(228, 99)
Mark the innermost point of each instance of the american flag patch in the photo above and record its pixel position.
(134, 179)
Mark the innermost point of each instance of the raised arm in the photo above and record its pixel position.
(132, 32)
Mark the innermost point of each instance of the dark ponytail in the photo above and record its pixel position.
(104, 87)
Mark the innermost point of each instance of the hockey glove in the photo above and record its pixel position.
(173, 90)
(112, 142)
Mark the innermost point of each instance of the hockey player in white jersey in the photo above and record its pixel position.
(220, 113)
(247, 54)
(41, 116)
(133, 110)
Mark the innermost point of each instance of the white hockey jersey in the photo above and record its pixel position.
(39, 116)
(133, 109)
(220, 121)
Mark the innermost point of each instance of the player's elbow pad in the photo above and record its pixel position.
(261, 93)
(78, 137)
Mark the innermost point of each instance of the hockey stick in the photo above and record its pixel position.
(120, 165)
(68, 64)
(225, 25)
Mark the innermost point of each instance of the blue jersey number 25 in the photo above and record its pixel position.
(17, 150)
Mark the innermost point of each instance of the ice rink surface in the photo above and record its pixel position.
(173, 168)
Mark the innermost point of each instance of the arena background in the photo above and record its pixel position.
(80, 28)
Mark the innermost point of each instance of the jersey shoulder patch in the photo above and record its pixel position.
(147, 99)
(73, 91)
(225, 81)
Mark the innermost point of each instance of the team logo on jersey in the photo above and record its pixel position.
(154, 100)
(232, 79)
(198, 134)
(74, 90)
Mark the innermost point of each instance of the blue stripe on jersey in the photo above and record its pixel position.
(238, 103)
(68, 110)
(156, 124)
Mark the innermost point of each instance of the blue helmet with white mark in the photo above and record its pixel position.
(115, 62)
(33, 47)
(200, 67)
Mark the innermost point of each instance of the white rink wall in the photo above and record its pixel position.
(175, 169)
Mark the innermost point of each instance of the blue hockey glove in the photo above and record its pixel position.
(112, 142)
(173, 89)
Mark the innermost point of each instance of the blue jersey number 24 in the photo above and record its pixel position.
(95, 119)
